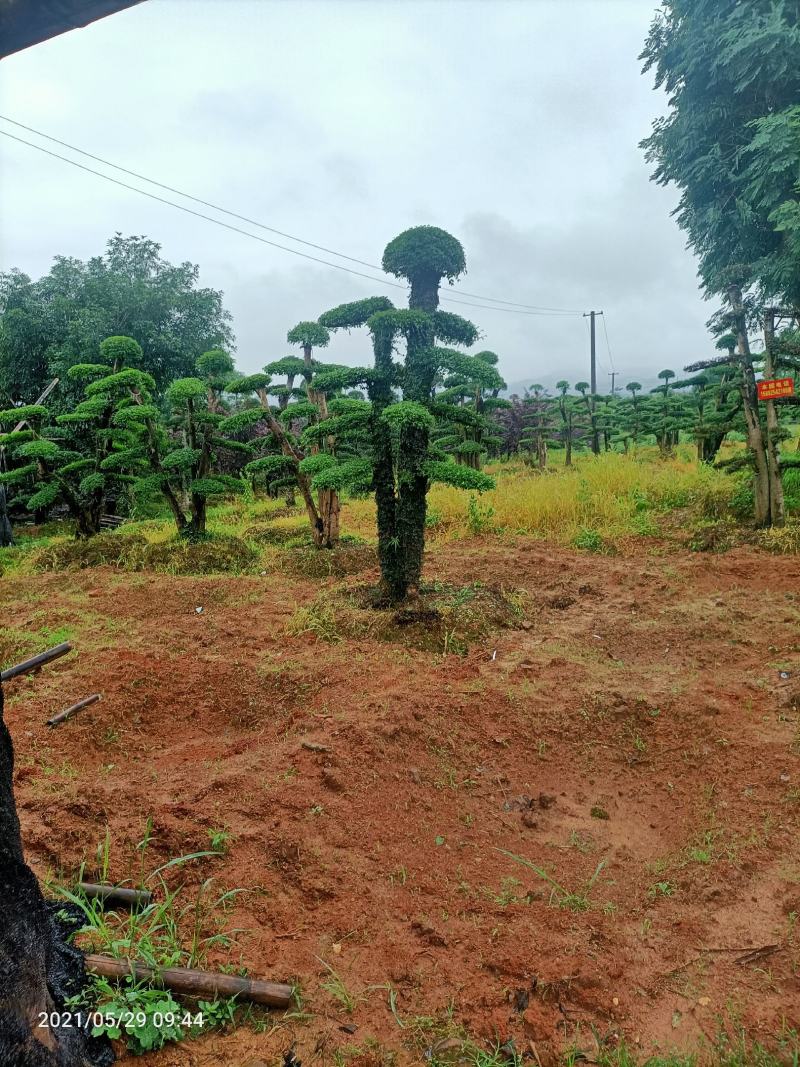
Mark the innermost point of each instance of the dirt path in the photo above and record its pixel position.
(638, 718)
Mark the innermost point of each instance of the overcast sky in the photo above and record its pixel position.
(514, 125)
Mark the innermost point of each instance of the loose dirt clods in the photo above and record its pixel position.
(572, 834)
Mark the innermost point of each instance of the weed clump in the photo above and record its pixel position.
(273, 533)
(781, 539)
(213, 555)
(110, 550)
(133, 552)
(592, 541)
(712, 536)
(338, 562)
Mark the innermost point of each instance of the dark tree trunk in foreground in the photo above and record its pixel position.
(38, 969)
(6, 533)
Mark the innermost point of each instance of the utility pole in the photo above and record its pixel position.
(591, 315)
(612, 375)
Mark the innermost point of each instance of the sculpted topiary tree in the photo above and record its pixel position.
(179, 458)
(471, 434)
(572, 424)
(86, 458)
(538, 425)
(402, 462)
(296, 448)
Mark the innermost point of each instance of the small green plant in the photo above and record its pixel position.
(147, 1018)
(318, 619)
(335, 986)
(589, 540)
(220, 839)
(479, 516)
(217, 1013)
(660, 889)
(598, 812)
(560, 896)
(508, 893)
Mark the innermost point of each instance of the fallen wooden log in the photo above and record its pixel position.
(73, 709)
(35, 662)
(195, 983)
(115, 894)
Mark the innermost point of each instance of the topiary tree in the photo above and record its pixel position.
(666, 414)
(632, 412)
(183, 464)
(86, 459)
(713, 407)
(296, 447)
(538, 425)
(468, 433)
(572, 424)
(402, 462)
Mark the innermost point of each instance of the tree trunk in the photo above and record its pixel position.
(776, 506)
(568, 447)
(755, 436)
(328, 507)
(39, 971)
(196, 527)
(6, 532)
(380, 393)
(411, 509)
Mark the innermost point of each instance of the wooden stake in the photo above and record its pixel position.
(195, 983)
(67, 713)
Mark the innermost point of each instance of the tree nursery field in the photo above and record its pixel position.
(375, 712)
(563, 813)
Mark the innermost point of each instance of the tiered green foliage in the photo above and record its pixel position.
(402, 411)
(303, 435)
(87, 457)
(468, 433)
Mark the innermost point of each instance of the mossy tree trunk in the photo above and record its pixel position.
(380, 393)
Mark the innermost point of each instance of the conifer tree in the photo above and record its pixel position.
(470, 435)
(633, 414)
(179, 459)
(295, 449)
(538, 428)
(402, 460)
(571, 427)
(87, 457)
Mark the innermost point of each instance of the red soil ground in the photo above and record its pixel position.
(644, 687)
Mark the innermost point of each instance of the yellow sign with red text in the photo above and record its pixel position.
(775, 388)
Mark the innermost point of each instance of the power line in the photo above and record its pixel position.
(510, 304)
(608, 346)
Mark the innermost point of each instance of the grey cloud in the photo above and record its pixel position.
(512, 123)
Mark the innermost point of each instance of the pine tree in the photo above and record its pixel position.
(302, 439)
(470, 435)
(180, 459)
(538, 425)
(87, 458)
(571, 426)
(403, 461)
